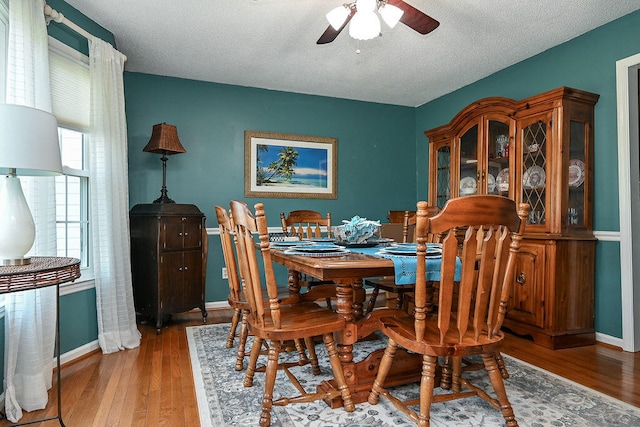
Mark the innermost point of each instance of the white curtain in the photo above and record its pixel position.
(117, 328)
(30, 316)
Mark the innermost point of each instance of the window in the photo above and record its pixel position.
(70, 91)
(72, 198)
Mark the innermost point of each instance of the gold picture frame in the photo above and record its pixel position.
(290, 166)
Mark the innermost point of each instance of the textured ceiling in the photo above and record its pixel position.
(272, 43)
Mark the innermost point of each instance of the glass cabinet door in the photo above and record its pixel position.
(468, 178)
(443, 175)
(534, 170)
(577, 203)
(498, 146)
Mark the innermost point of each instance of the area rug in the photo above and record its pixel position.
(538, 398)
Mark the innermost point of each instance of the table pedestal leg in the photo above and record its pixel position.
(294, 282)
(361, 374)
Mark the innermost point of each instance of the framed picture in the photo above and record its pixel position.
(291, 166)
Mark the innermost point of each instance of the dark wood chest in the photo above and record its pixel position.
(169, 259)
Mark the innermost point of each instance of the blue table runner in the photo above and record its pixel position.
(405, 265)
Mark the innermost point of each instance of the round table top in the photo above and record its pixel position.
(41, 272)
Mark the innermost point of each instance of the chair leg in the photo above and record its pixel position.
(498, 386)
(269, 383)
(501, 365)
(383, 371)
(302, 351)
(313, 358)
(338, 373)
(234, 326)
(253, 361)
(242, 343)
(457, 372)
(427, 384)
(329, 305)
(445, 376)
(372, 299)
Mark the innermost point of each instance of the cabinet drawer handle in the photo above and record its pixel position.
(521, 279)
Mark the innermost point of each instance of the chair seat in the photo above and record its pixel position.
(310, 320)
(401, 329)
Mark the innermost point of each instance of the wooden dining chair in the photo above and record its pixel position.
(236, 297)
(306, 224)
(388, 283)
(469, 324)
(270, 320)
(397, 217)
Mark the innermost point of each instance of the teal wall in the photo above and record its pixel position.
(382, 151)
(376, 150)
(587, 62)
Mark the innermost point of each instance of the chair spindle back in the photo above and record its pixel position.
(484, 232)
(245, 226)
(305, 224)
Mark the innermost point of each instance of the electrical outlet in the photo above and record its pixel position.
(224, 273)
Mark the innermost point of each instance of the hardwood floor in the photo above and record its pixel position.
(153, 384)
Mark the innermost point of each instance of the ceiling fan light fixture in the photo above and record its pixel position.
(337, 16)
(390, 14)
(366, 5)
(364, 26)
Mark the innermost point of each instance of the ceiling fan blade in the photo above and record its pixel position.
(331, 33)
(414, 18)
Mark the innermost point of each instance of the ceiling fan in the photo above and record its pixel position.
(366, 25)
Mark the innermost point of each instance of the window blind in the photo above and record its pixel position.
(70, 86)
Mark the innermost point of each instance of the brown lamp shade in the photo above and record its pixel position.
(164, 140)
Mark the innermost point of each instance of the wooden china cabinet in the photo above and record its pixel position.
(539, 151)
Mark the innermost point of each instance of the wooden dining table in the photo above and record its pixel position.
(348, 272)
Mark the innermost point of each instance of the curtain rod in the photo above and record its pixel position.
(53, 15)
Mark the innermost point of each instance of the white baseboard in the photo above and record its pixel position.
(217, 304)
(608, 339)
(78, 352)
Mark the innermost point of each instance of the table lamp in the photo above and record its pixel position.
(164, 140)
(29, 145)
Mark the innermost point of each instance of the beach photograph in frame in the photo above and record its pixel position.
(290, 166)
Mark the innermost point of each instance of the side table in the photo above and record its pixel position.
(41, 273)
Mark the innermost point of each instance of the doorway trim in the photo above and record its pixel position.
(629, 197)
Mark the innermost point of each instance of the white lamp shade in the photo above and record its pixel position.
(364, 26)
(391, 14)
(29, 141)
(337, 16)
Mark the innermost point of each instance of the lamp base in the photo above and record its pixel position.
(16, 261)
(17, 230)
